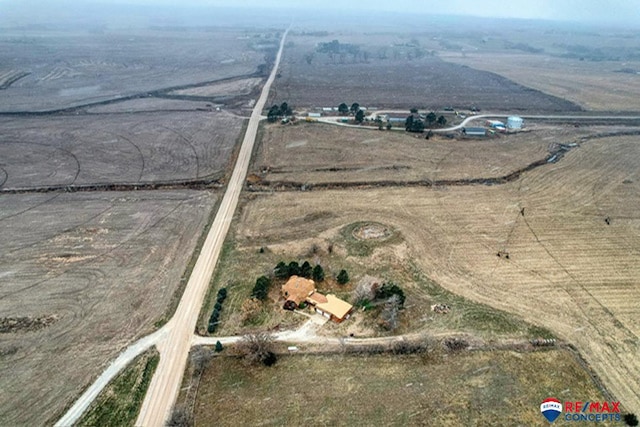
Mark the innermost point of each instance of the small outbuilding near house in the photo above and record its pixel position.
(474, 131)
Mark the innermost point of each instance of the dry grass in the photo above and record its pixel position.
(119, 403)
(225, 88)
(478, 388)
(592, 85)
(319, 153)
(568, 270)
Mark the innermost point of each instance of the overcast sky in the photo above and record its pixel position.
(606, 12)
(612, 11)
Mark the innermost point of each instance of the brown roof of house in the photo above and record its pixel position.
(297, 289)
(335, 306)
(316, 298)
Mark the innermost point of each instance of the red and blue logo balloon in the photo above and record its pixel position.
(551, 408)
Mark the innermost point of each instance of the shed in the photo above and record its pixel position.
(514, 122)
(474, 131)
(316, 115)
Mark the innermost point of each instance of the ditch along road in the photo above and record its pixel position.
(174, 339)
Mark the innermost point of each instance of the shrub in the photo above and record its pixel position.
(251, 308)
(218, 347)
(179, 418)
(217, 306)
(258, 348)
(343, 277)
(390, 289)
(455, 344)
(630, 419)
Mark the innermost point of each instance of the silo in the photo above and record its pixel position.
(514, 122)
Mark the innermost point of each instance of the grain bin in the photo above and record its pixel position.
(514, 122)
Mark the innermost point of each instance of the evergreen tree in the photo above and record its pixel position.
(281, 271)
(343, 277)
(305, 270)
(318, 273)
(294, 269)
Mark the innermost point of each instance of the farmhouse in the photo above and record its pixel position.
(298, 290)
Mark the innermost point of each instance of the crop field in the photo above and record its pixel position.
(570, 228)
(602, 85)
(397, 78)
(474, 388)
(315, 153)
(228, 88)
(94, 149)
(86, 273)
(149, 105)
(68, 69)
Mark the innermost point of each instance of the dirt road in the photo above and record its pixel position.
(174, 350)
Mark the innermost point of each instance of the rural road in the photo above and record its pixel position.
(174, 350)
(174, 339)
(124, 359)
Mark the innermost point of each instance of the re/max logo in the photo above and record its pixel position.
(609, 407)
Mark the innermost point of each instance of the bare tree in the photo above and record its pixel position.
(179, 418)
(366, 289)
(258, 348)
(200, 357)
(389, 315)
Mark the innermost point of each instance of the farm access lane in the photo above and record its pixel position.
(174, 349)
(465, 122)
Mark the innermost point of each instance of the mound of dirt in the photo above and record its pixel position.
(372, 231)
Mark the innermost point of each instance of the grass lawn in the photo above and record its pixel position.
(119, 403)
(470, 388)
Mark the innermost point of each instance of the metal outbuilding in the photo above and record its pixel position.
(514, 122)
(474, 131)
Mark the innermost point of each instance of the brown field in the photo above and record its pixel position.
(592, 85)
(69, 69)
(319, 153)
(397, 81)
(139, 148)
(475, 388)
(105, 265)
(227, 88)
(568, 271)
(151, 104)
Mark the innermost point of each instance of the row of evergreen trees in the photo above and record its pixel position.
(284, 271)
(214, 320)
